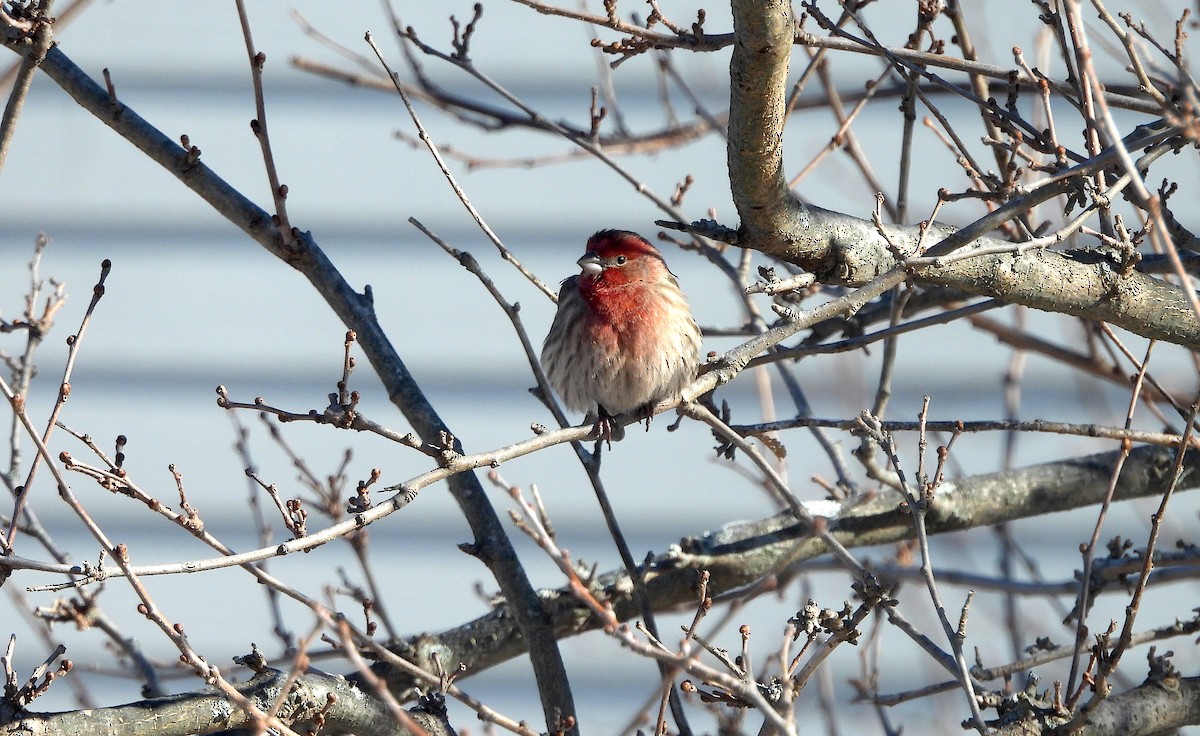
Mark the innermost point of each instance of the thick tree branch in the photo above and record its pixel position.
(841, 249)
(1158, 706)
(763, 31)
(742, 553)
(343, 707)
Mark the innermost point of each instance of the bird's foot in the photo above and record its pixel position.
(645, 414)
(607, 429)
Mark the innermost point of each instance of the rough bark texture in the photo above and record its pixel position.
(344, 707)
(1156, 707)
(743, 553)
(763, 33)
(841, 249)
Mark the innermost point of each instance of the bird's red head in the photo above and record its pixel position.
(619, 256)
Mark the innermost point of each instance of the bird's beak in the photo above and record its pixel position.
(590, 263)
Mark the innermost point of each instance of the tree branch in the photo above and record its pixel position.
(842, 249)
(741, 554)
(342, 706)
(491, 545)
(1157, 706)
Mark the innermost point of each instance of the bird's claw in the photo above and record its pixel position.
(645, 414)
(607, 429)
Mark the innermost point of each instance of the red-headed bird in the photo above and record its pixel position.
(623, 337)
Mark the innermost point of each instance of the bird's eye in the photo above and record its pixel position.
(621, 260)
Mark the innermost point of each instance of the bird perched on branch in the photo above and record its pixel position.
(623, 337)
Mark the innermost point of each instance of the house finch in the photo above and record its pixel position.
(623, 337)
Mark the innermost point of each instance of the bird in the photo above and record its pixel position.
(623, 337)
